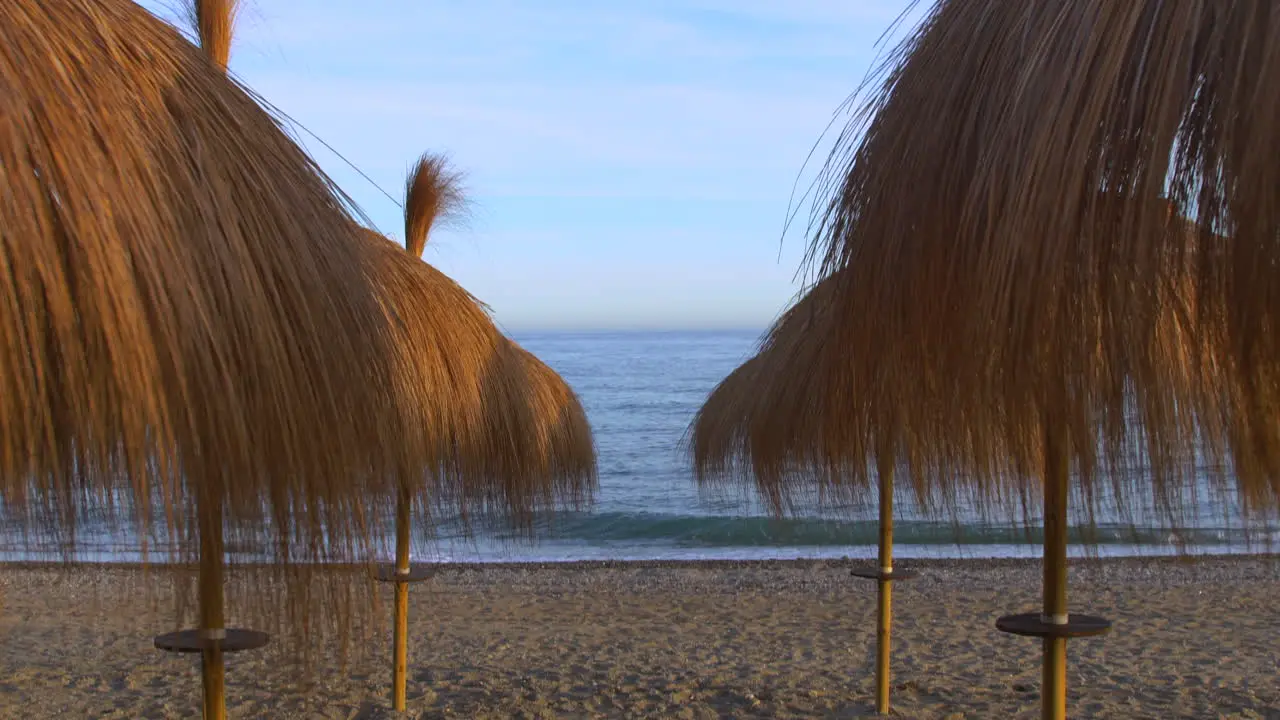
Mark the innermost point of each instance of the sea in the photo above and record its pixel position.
(641, 391)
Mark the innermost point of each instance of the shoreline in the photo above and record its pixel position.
(450, 567)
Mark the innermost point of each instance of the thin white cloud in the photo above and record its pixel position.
(642, 102)
(544, 134)
(684, 28)
(637, 125)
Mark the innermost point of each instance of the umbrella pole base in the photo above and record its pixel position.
(211, 650)
(877, 574)
(1053, 692)
(191, 641)
(389, 574)
(1033, 625)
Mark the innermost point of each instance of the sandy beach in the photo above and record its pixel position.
(682, 640)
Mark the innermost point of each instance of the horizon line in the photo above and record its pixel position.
(596, 329)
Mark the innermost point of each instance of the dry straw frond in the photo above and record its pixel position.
(433, 196)
(185, 302)
(214, 24)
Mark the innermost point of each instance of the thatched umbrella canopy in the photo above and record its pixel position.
(505, 433)
(1136, 99)
(186, 298)
(185, 302)
(793, 421)
(1002, 293)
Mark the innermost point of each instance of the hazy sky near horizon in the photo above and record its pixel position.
(630, 164)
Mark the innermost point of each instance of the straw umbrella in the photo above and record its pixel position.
(988, 241)
(757, 424)
(185, 301)
(1144, 99)
(788, 420)
(507, 433)
(492, 428)
(792, 421)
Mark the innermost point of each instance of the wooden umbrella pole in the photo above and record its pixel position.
(1053, 624)
(212, 619)
(885, 604)
(1054, 690)
(400, 668)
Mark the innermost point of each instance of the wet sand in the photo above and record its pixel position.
(682, 640)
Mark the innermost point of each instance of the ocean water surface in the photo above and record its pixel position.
(641, 390)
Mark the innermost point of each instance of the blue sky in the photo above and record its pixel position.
(630, 163)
